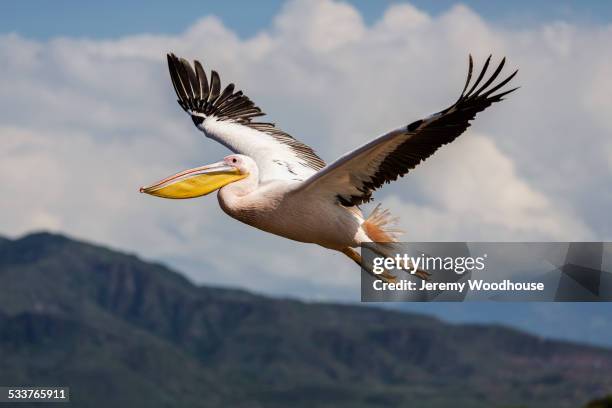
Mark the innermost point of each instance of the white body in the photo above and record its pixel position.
(275, 208)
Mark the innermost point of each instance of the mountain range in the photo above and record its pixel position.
(120, 331)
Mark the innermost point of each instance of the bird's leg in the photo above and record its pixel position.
(422, 274)
(355, 256)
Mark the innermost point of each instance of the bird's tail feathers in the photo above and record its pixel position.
(381, 226)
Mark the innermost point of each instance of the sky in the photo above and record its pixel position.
(42, 19)
(89, 115)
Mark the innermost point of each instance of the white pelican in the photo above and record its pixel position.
(278, 184)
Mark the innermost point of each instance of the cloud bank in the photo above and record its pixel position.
(84, 123)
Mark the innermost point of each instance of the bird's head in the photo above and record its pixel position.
(203, 180)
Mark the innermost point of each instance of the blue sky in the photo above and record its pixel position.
(42, 19)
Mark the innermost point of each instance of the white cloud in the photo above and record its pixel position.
(86, 122)
(499, 206)
(324, 28)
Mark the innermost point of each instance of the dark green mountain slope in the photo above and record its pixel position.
(123, 332)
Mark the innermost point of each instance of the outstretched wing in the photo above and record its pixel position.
(353, 177)
(227, 117)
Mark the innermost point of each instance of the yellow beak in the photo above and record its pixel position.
(195, 182)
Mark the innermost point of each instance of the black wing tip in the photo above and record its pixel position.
(171, 57)
(500, 96)
(196, 94)
(191, 84)
(485, 91)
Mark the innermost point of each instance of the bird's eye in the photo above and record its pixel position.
(234, 160)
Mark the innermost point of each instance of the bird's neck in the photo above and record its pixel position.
(231, 195)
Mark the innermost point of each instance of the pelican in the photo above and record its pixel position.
(278, 184)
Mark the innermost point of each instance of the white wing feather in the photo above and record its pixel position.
(227, 117)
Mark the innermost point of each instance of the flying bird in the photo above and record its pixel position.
(278, 184)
